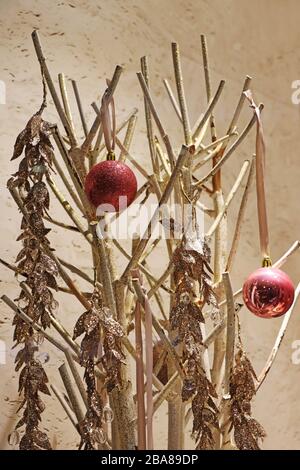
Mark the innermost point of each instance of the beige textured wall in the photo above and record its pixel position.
(86, 40)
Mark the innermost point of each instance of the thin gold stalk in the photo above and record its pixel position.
(66, 103)
(172, 99)
(71, 392)
(270, 361)
(229, 199)
(79, 106)
(141, 413)
(240, 218)
(181, 94)
(57, 103)
(148, 117)
(229, 152)
(128, 137)
(159, 125)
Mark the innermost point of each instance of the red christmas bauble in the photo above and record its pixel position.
(268, 292)
(112, 185)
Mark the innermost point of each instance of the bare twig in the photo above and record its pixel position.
(67, 184)
(71, 392)
(165, 391)
(9, 265)
(76, 377)
(143, 299)
(106, 274)
(79, 106)
(157, 295)
(216, 146)
(230, 197)
(149, 369)
(181, 94)
(76, 270)
(229, 151)
(161, 280)
(270, 361)
(240, 218)
(65, 335)
(172, 99)
(70, 211)
(125, 152)
(239, 105)
(108, 96)
(65, 406)
(210, 339)
(162, 132)
(42, 61)
(144, 270)
(141, 415)
(207, 83)
(58, 223)
(31, 322)
(230, 333)
(128, 137)
(207, 113)
(148, 117)
(94, 154)
(120, 127)
(65, 99)
(68, 162)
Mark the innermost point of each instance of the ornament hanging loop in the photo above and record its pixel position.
(260, 182)
(108, 120)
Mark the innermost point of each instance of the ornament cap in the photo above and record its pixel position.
(266, 262)
(111, 155)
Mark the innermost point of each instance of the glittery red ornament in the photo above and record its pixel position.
(111, 183)
(268, 292)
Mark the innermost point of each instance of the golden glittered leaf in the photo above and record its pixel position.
(91, 321)
(34, 125)
(41, 439)
(79, 326)
(191, 268)
(20, 143)
(247, 431)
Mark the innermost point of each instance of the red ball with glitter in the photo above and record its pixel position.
(112, 185)
(268, 292)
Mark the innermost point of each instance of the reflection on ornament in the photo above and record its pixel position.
(13, 438)
(100, 436)
(43, 357)
(38, 338)
(108, 414)
(268, 292)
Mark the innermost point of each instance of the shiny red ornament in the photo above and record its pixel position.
(111, 183)
(268, 292)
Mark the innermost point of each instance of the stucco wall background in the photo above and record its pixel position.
(85, 40)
